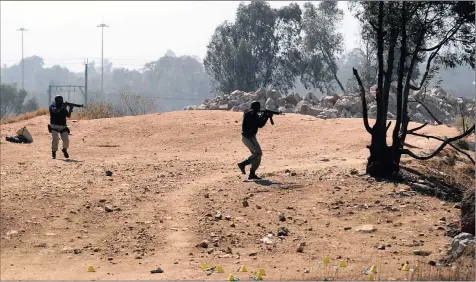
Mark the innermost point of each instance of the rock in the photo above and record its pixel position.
(347, 228)
(203, 244)
(291, 99)
(381, 247)
(283, 231)
(467, 212)
(108, 173)
(452, 232)
(108, 209)
(421, 253)
(270, 104)
(354, 171)
(218, 216)
(462, 144)
(300, 249)
(342, 104)
(302, 107)
(462, 244)
(267, 240)
(273, 94)
(368, 228)
(261, 93)
(245, 203)
(329, 101)
(282, 218)
(311, 98)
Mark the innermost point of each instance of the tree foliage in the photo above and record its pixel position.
(260, 49)
(11, 100)
(322, 45)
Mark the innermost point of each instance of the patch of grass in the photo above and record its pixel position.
(95, 110)
(463, 123)
(25, 116)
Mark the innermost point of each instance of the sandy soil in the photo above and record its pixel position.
(174, 172)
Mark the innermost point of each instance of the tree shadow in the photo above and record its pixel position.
(452, 192)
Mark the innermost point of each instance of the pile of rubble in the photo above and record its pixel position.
(442, 105)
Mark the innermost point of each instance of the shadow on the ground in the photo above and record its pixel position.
(71, 161)
(265, 182)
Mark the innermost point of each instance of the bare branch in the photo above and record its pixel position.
(427, 70)
(447, 37)
(446, 142)
(441, 139)
(428, 110)
(364, 103)
(388, 125)
(417, 128)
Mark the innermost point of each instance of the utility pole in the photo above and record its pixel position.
(86, 82)
(102, 26)
(22, 62)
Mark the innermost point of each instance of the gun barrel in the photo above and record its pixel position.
(74, 105)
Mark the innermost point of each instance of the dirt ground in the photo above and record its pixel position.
(174, 173)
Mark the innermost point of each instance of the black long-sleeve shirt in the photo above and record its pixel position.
(251, 122)
(58, 115)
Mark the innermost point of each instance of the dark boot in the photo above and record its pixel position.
(66, 155)
(253, 176)
(54, 154)
(242, 166)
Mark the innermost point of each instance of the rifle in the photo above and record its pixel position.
(73, 105)
(270, 114)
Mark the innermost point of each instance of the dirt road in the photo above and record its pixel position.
(174, 174)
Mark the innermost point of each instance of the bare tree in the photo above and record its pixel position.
(405, 33)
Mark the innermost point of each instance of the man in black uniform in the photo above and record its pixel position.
(251, 122)
(58, 127)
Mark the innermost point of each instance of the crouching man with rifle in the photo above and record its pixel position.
(58, 126)
(252, 120)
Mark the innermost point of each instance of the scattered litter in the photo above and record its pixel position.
(158, 270)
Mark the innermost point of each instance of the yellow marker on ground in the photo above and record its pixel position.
(260, 272)
(205, 266)
(326, 260)
(91, 269)
(405, 267)
(231, 277)
(373, 269)
(219, 269)
(342, 263)
(371, 277)
(243, 269)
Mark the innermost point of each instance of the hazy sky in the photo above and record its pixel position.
(65, 32)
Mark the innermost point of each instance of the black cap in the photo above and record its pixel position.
(255, 106)
(59, 100)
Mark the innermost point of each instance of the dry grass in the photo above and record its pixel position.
(25, 116)
(96, 110)
(463, 123)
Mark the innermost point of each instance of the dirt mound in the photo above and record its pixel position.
(175, 183)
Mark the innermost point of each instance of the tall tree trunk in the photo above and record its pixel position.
(380, 163)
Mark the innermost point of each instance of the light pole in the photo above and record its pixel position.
(102, 26)
(22, 61)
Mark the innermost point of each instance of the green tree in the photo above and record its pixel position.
(322, 44)
(404, 34)
(260, 49)
(11, 100)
